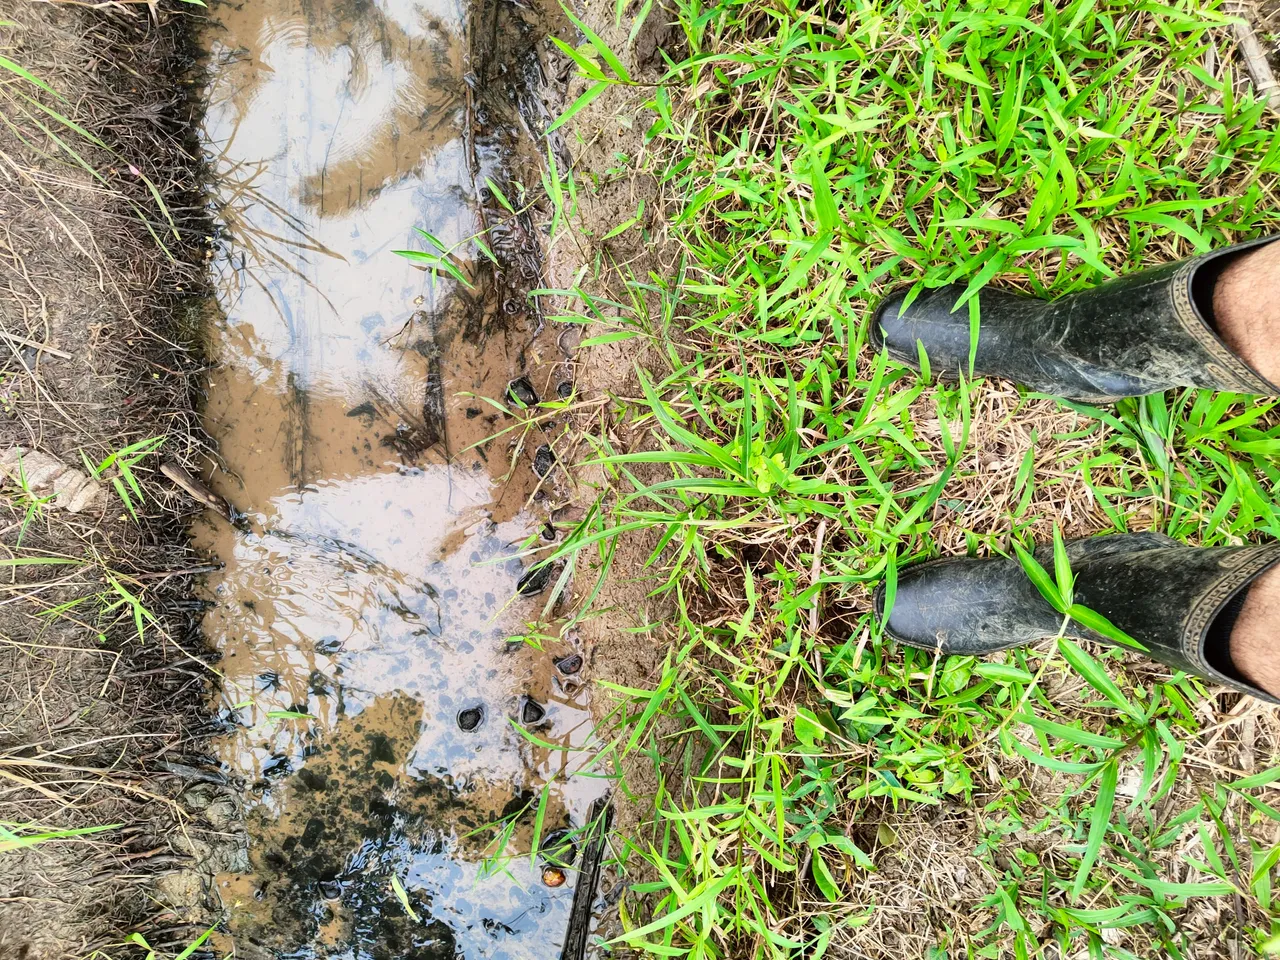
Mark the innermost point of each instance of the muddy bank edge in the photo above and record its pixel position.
(604, 145)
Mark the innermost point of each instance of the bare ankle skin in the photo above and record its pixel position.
(1254, 648)
(1246, 308)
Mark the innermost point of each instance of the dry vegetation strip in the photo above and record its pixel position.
(100, 700)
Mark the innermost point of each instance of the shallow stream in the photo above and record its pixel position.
(385, 721)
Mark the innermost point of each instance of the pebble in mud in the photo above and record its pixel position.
(544, 459)
(470, 718)
(531, 711)
(564, 389)
(568, 666)
(553, 876)
(521, 390)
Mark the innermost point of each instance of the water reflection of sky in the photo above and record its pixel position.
(332, 137)
(369, 578)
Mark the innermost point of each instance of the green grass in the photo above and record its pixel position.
(815, 156)
(15, 836)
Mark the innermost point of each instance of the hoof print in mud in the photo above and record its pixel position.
(558, 849)
(570, 665)
(520, 391)
(536, 579)
(544, 459)
(470, 718)
(531, 711)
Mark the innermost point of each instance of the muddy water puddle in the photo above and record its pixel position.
(395, 743)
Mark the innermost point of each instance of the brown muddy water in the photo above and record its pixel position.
(368, 601)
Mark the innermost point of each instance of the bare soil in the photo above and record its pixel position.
(97, 725)
(624, 633)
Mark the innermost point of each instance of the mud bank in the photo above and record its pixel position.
(623, 626)
(373, 716)
(101, 715)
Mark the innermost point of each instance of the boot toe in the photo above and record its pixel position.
(887, 313)
(930, 321)
(964, 606)
(915, 619)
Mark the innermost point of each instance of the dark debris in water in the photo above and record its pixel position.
(558, 848)
(531, 711)
(536, 579)
(544, 459)
(570, 665)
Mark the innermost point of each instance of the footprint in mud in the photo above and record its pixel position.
(531, 711)
(570, 665)
(544, 459)
(536, 579)
(470, 718)
(521, 390)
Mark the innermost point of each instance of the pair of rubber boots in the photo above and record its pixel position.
(1144, 333)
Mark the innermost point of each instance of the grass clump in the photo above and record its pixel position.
(819, 791)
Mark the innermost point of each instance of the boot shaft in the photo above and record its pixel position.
(1146, 332)
(1168, 596)
(1158, 323)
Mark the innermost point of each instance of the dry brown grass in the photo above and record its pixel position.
(96, 729)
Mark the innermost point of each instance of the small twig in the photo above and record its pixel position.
(815, 570)
(815, 573)
(198, 491)
(1255, 58)
(184, 572)
(42, 347)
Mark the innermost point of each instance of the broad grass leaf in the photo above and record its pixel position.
(1096, 677)
(591, 94)
(1098, 824)
(825, 880)
(403, 896)
(808, 729)
(602, 48)
(1037, 575)
(1003, 672)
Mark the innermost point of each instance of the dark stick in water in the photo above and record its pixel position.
(584, 894)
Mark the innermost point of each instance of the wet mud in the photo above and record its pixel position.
(396, 715)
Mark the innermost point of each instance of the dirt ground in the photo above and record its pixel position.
(100, 718)
(624, 632)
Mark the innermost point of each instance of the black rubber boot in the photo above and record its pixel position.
(1177, 601)
(1140, 334)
